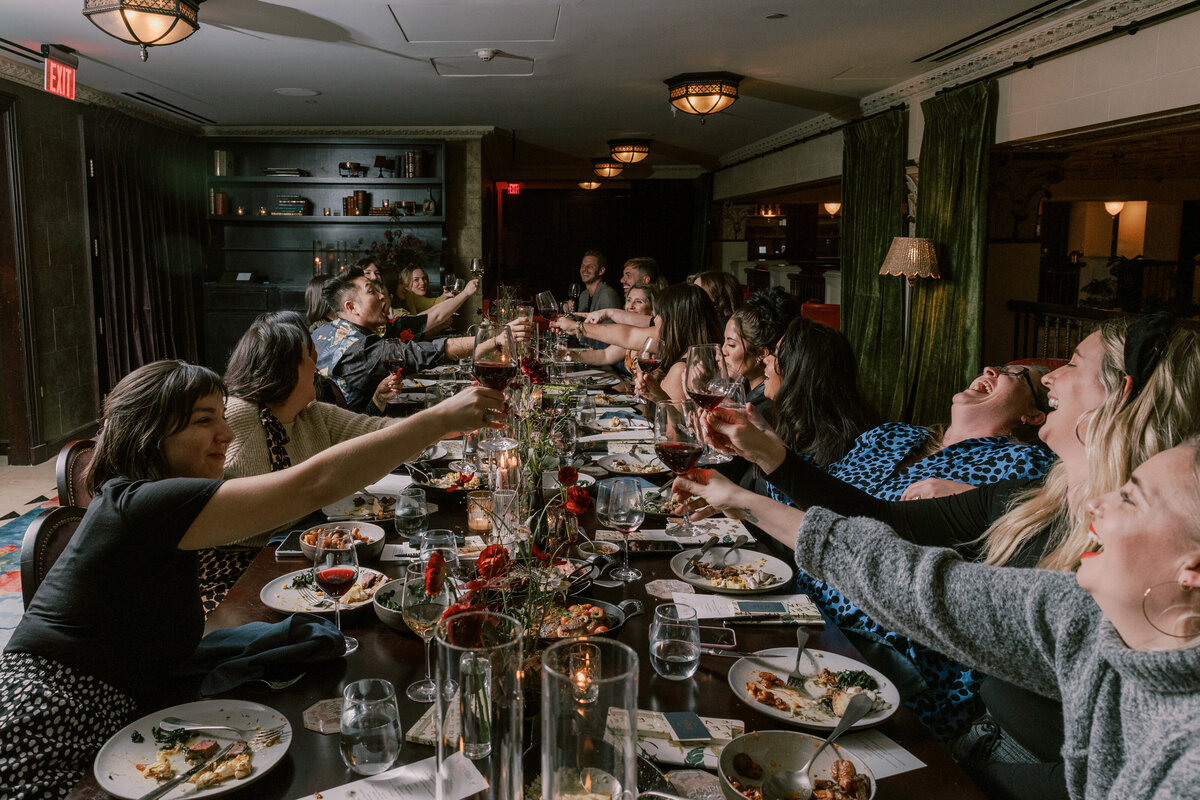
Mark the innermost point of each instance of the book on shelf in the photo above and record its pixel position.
(285, 172)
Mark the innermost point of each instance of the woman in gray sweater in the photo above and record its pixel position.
(1118, 641)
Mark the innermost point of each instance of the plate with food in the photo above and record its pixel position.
(141, 755)
(608, 400)
(657, 503)
(447, 483)
(738, 572)
(607, 423)
(761, 683)
(361, 505)
(367, 538)
(626, 464)
(298, 591)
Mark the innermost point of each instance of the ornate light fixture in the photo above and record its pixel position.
(1114, 207)
(832, 208)
(629, 151)
(768, 210)
(589, 185)
(703, 93)
(912, 258)
(149, 23)
(607, 168)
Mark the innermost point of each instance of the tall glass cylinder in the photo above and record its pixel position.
(479, 703)
(589, 719)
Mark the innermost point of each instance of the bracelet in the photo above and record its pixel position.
(579, 329)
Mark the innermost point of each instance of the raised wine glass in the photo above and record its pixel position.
(647, 358)
(477, 268)
(573, 291)
(335, 569)
(494, 366)
(422, 603)
(678, 446)
(707, 382)
(619, 504)
(393, 351)
(547, 306)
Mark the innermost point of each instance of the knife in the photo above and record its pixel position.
(775, 662)
(690, 566)
(163, 788)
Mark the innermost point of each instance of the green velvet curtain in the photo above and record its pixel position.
(872, 214)
(945, 339)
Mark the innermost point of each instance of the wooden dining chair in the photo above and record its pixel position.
(70, 472)
(45, 540)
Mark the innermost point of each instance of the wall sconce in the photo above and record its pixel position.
(629, 151)
(149, 23)
(589, 185)
(607, 168)
(768, 211)
(833, 208)
(1114, 207)
(703, 93)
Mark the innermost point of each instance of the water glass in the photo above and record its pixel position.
(506, 513)
(411, 512)
(585, 411)
(675, 641)
(370, 726)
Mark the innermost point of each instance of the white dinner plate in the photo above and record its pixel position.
(770, 566)
(780, 660)
(278, 595)
(655, 467)
(627, 422)
(582, 479)
(116, 764)
(357, 506)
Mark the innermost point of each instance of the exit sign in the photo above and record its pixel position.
(60, 75)
(514, 188)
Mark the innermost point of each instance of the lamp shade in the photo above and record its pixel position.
(629, 151)
(589, 185)
(703, 93)
(911, 257)
(1114, 207)
(607, 168)
(832, 208)
(148, 23)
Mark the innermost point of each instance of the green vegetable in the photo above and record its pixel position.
(855, 677)
(167, 739)
(137, 738)
(303, 579)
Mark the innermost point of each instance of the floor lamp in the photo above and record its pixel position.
(913, 258)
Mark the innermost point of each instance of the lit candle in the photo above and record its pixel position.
(584, 666)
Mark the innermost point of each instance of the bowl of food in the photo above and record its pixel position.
(367, 538)
(752, 758)
(589, 550)
(447, 484)
(387, 605)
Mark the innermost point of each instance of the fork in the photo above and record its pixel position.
(256, 738)
(277, 685)
(312, 598)
(796, 678)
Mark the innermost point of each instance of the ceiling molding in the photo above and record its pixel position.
(34, 78)
(447, 132)
(1071, 29)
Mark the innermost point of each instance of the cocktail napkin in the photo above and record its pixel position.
(654, 738)
(416, 781)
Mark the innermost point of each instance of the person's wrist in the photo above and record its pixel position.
(772, 458)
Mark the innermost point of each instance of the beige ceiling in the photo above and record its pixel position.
(568, 75)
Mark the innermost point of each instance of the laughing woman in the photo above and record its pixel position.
(120, 611)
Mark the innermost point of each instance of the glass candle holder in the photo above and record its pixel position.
(480, 707)
(479, 513)
(589, 719)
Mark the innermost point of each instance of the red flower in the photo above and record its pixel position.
(540, 555)
(578, 500)
(567, 476)
(406, 335)
(493, 562)
(435, 573)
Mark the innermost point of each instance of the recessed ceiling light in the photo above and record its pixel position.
(297, 92)
(776, 15)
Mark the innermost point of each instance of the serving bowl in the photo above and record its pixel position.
(435, 492)
(389, 616)
(367, 551)
(777, 750)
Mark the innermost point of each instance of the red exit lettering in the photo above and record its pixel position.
(60, 79)
(514, 188)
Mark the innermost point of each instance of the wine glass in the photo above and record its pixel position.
(457, 286)
(411, 512)
(393, 352)
(494, 366)
(422, 604)
(647, 358)
(573, 291)
(675, 641)
(476, 267)
(335, 569)
(708, 382)
(678, 446)
(547, 306)
(619, 505)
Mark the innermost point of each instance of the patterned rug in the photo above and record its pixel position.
(12, 532)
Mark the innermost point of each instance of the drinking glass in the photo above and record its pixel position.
(422, 607)
(547, 306)
(494, 366)
(677, 444)
(619, 505)
(574, 290)
(335, 569)
(370, 726)
(411, 512)
(440, 540)
(393, 352)
(506, 511)
(479, 514)
(675, 641)
(585, 411)
(457, 286)
(707, 382)
(476, 267)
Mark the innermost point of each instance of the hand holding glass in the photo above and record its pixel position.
(678, 445)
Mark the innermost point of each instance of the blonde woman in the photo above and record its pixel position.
(639, 300)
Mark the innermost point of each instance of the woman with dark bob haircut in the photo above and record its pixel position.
(119, 612)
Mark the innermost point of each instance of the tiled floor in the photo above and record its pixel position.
(21, 488)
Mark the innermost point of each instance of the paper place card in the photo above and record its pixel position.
(881, 754)
(403, 551)
(788, 607)
(652, 535)
(390, 484)
(655, 738)
(416, 781)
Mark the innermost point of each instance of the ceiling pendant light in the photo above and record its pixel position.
(703, 93)
(589, 185)
(607, 168)
(629, 151)
(833, 208)
(149, 23)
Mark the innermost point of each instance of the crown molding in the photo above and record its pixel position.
(33, 77)
(447, 132)
(1070, 29)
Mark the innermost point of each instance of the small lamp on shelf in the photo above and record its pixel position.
(382, 163)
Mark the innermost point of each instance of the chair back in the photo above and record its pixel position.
(70, 472)
(45, 540)
(827, 314)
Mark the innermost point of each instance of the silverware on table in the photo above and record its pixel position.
(255, 738)
(163, 788)
(738, 542)
(690, 566)
(796, 678)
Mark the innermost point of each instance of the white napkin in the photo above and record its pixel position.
(390, 484)
(642, 435)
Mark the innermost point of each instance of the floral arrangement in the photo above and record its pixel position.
(400, 250)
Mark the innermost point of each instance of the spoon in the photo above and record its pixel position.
(796, 784)
(738, 542)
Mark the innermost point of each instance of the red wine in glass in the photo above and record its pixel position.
(336, 581)
(495, 374)
(550, 314)
(394, 365)
(707, 400)
(648, 365)
(680, 457)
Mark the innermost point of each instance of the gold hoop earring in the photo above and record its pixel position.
(1158, 604)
